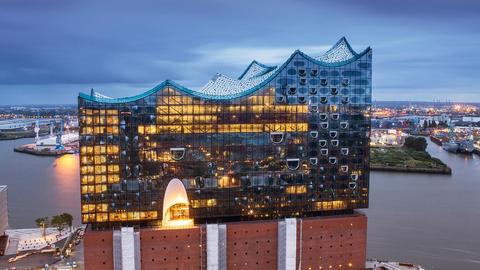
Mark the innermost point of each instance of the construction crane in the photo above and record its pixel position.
(37, 130)
(59, 145)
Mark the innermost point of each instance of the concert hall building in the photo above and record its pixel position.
(264, 171)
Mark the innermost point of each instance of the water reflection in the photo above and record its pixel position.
(65, 172)
(65, 169)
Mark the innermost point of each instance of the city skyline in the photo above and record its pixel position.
(425, 51)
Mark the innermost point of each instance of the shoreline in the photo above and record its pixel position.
(444, 171)
(45, 152)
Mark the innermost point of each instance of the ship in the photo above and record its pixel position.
(436, 139)
(450, 146)
(476, 149)
(466, 146)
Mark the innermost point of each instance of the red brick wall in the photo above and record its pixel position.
(327, 243)
(333, 242)
(171, 249)
(252, 245)
(98, 250)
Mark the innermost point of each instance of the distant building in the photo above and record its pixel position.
(3, 210)
(471, 119)
(280, 147)
(387, 138)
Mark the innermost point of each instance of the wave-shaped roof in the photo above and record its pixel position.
(340, 52)
(255, 76)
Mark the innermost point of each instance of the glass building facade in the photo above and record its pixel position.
(279, 141)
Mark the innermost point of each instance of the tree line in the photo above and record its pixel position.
(60, 222)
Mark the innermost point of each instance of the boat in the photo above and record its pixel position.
(465, 147)
(476, 149)
(450, 146)
(436, 140)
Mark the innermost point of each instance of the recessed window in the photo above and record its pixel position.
(334, 91)
(313, 108)
(324, 151)
(301, 72)
(313, 161)
(177, 153)
(280, 99)
(335, 116)
(293, 163)
(302, 99)
(345, 100)
(322, 143)
(354, 176)
(323, 82)
(344, 125)
(344, 151)
(324, 125)
(313, 91)
(344, 168)
(323, 116)
(334, 143)
(292, 91)
(332, 160)
(314, 72)
(345, 81)
(323, 100)
(303, 81)
(333, 134)
(277, 137)
(314, 134)
(352, 185)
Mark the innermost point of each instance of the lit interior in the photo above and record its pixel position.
(176, 205)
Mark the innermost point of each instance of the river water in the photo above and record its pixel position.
(38, 186)
(432, 220)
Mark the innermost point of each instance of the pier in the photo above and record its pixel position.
(48, 146)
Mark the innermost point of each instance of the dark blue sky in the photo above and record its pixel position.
(52, 49)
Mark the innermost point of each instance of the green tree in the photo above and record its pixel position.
(58, 222)
(416, 143)
(42, 223)
(68, 220)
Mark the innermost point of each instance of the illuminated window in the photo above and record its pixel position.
(296, 189)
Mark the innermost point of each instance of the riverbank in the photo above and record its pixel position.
(381, 168)
(50, 151)
(406, 160)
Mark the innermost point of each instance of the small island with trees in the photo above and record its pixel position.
(411, 157)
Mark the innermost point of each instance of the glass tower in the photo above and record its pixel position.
(291, 140)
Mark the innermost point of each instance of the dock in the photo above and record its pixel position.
(48, 147)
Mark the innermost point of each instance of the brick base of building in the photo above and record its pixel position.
(333, 242)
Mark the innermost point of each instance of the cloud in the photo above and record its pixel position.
(237, 56)
(52, 45)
